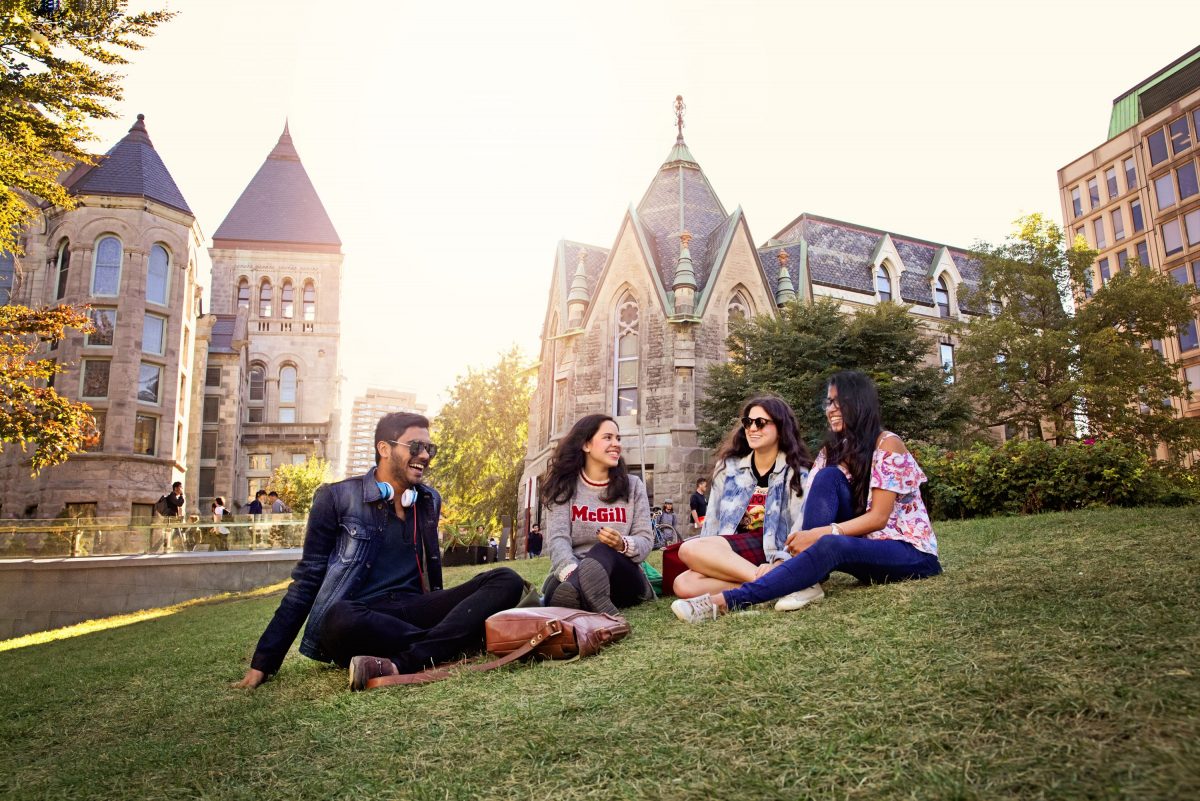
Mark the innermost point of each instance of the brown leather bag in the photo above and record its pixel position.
(553, 632)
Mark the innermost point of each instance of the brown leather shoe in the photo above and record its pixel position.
(365, 668)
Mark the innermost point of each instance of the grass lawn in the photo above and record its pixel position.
(1057, 657)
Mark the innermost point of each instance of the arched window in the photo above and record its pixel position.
(258, 392)
(626, 353)
(106, 271)
(243, 296)
(287, 394)
(287, 300)
(739, 308)
(310, 302)
(157, 275)
(264, 298)
(64, 267)
(8, 275)
(883, 283)
(941, 296)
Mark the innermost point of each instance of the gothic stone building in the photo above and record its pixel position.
(210, 399)
(633, 329)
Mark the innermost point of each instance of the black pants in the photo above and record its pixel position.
(417, 631)
(626, 581)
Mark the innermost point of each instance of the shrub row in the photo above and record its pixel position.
(1025, 477)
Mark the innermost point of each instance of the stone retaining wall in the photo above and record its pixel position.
(43, 594)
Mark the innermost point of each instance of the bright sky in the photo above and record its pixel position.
(454, 144)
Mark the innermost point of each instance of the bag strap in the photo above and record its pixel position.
(551, 628)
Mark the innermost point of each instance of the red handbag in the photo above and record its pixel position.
(672, 567)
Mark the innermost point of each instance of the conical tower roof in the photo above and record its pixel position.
(132, 168)
(279, 208)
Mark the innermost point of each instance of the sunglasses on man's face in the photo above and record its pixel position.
(755, 422)
(415, 447)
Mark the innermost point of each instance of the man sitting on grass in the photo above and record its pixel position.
(370, 578)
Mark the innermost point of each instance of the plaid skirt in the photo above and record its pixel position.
(748, 545)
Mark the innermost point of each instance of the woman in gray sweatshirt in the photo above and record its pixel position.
(598, 527)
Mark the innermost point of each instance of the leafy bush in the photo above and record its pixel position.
(1026, 477)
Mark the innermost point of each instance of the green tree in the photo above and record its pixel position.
(1034, 364)
(794, 354)
(57, 73)
(482, 432)
(32, 413)
(297, 483)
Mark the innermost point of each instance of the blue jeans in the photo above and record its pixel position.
(869, 561)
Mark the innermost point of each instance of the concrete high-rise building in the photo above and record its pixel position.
(368, 408)
(1137, 196)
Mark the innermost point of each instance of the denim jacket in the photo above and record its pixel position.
(732, 487)
(345, 530)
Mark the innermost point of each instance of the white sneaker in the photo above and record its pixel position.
(793, 601)
(695, 610)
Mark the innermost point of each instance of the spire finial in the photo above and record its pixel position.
(679, 109)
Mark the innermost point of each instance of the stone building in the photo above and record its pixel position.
(368, 409)
(631, 330)
(128, 249)
(214, 399)
(1137, 196)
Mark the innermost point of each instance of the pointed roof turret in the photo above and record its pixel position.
(132, 168)
(279, 208)
(685, 276)
(785, 292)
(579, 291)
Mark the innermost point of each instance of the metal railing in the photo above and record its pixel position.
(114, 536)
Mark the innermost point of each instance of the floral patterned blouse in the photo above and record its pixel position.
(898, 473)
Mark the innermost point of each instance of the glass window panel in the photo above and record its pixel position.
(1105, 272)
(299, 458)
(1158, 147)
(258, 383)
(1180, 274)
(1143, 253)
(1193, 380)
(208, 482)
(1076, 203)
(1191, 223)
(260, 461)
(1187, 337)
(96, 441)
(1110, 181)
(629, 345)
(287, 414)
(64, 267)
(1135, 210)
(1180, 141)
(145, 435)
(1098, 225)
(157, 275)
(1157, 344)
(149, 379)
(287, 305)
(1130, 174)
(1187, 180)
(106, 278)
(208, 445)
(154, 330)
(947, 354)
(254, 414)
(243, 295)
(1196, 273)
(310, 302)
(1093, 193)
(95, 378)
(264, 299)
(287, 385)
(105, 321)
(626, 401)
(1122, 259)
(1118, 222)
(1089, 283)
(883, 284)
(212, 409)
(942, 297)
(1172, 237)
(627, 373)
(1164, 191)
(212, 377)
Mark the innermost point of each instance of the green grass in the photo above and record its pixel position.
(1057, 657)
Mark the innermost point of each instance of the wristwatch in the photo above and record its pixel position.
(834, 529)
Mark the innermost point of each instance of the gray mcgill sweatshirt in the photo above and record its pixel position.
(571, 527)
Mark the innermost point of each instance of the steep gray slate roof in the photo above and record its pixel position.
(593, 265)
(279, 205)
(769, 256)
(681, 199)
(840, 255)
(132, 168)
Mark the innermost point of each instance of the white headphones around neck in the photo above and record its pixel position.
(407, 498)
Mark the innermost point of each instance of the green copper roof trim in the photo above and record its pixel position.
(802, 278)
(1126, 111)
(680, 153)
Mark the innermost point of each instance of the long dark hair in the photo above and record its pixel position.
(567, 463)
(791, 445)
(854, 447)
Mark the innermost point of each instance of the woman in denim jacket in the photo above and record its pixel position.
(754, 504)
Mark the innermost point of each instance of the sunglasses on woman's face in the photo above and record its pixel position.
(755, 422)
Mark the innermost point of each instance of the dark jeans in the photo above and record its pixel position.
(869, 561)
(625, 576)
(417, 631)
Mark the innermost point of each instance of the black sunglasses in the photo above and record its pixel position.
(755, 422)
(415, 447)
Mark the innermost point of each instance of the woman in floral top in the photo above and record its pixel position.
(863, 513)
